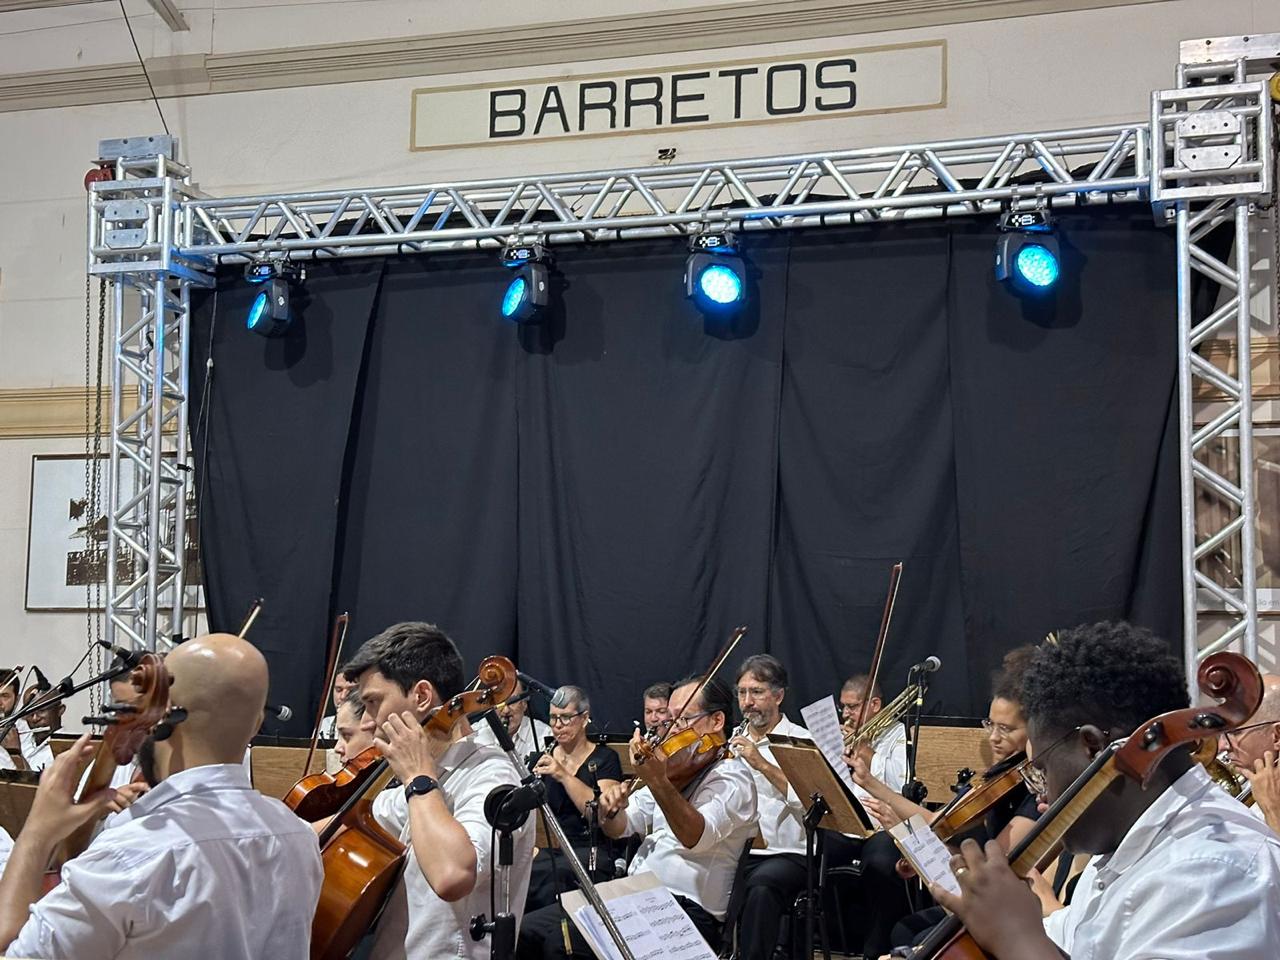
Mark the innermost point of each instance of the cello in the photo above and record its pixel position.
(1227, 677)
(362, 861)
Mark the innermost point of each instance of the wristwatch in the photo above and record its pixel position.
(419, 786)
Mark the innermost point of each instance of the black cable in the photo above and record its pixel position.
(143, 64)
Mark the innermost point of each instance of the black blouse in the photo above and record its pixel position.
(608, 767)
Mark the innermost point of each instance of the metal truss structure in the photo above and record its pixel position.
(1213, 169)
(156, 237)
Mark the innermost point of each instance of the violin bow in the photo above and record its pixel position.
(252, 615)
(895, 577)
(336, 639)
(712, 670)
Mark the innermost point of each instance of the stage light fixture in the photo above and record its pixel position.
(528, 293)
(269, 314)
(1028, 258)
(715, 277)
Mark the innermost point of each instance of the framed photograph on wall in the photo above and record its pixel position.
(67, 547)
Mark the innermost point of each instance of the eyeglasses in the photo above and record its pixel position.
(754, 692)
(1000, 729)
(562, 719)
(688, 718)
(1233, 738)
(1033, 771)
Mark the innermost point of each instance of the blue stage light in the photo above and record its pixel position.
(720, 284)
(1037, 265)
(1029, 261)
(517, 291)
(257, 309)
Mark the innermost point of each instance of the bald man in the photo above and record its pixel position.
(201, 866)
(1255, 751)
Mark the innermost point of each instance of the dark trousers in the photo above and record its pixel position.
(543, 938)
(551, 874)
(763, 892)
(881, 895)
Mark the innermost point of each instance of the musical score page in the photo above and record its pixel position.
(822, 721)
(646, 914)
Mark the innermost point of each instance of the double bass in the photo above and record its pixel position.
(362, 861)
(1227, 677)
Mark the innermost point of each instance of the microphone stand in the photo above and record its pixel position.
(553, 827)
(913, 789)
(59, 691)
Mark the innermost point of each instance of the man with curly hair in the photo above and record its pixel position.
(1179, 869)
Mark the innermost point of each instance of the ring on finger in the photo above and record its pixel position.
(960, 872)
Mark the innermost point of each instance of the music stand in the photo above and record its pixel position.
(831, 806)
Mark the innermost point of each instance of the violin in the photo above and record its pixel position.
(362, 861)
(317, 796)
(1227, 677)
(688, 752)
(127, 726)
(968, 808)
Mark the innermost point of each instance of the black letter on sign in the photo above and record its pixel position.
(633, 101)
(584, 105)
(769, 107)
(516, 111)
(678, 98)
(547, 107)
(823, 84)
(737, 75)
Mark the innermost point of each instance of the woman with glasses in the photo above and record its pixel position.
(1008, 821)
(575, 771)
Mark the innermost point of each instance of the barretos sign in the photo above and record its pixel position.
(885, 79)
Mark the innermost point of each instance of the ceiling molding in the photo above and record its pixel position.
(573, 41)
(53, 412)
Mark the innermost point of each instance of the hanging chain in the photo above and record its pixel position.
(94, 521)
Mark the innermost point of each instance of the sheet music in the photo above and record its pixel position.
(646, 914)
(823, 723)
(927, 853)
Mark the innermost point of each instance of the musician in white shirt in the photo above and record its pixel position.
(437, 809)
(693, 838)
(202, 865)
(769, 878)
(888, 754)
(1179, 871)
(529, 734)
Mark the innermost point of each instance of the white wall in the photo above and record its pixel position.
(1031, 73)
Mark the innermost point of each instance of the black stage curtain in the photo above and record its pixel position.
(606, 496)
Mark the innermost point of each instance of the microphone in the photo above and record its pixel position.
(928, 665)
(538, 685)
(130, 658)
(281, 712)
(507, 807)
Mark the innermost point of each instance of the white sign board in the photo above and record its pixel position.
(840, 83)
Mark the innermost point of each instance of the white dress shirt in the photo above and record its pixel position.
(202, 866)
(1195, 878)
(6, 845)
(527, 740)
(6, 761)
(889, 761)
(726, 798)
(781, 815)
(37, 755)
(328, 729)
(417, 924)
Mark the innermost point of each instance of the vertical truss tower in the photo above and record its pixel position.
(1214, 170)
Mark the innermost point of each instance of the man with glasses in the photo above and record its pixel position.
(887, 757)
(693, 837)
(1179, 868)
(529, 734)
(1254, 750)
(768, 879)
